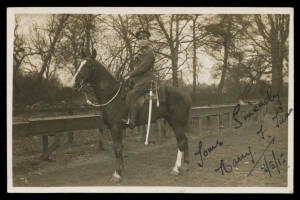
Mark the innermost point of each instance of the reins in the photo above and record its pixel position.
(104, 104)
(108, 102)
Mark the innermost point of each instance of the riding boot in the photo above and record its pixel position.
(132, 121)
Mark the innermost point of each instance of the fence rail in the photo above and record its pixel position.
(58, 125)
(46, 125)
(199, 113)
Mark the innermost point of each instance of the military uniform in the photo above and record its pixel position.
(142, 75)
(143, 70)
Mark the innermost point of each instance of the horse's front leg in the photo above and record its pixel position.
(116, 133)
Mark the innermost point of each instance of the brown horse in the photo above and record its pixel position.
(175, 107)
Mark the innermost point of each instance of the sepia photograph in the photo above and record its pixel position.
(156, 100)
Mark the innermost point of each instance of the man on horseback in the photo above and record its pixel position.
(175, 103)
(142, 75)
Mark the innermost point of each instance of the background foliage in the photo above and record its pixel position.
(249, 53)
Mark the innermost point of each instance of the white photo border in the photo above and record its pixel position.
(11, 11)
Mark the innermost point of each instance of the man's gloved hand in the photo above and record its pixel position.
(126, 77)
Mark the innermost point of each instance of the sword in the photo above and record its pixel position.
(149, 116)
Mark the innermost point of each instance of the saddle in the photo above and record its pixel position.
(158, 95)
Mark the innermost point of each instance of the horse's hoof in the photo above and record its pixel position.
(175, 172)
(185, 167)
(115, 179)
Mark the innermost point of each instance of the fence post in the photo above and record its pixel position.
(159, 131)
(45, 143)
(70, 134)
(218, 121)
(71, 137)
(140, 132)
(200, 125)
(46, 153)
(100, 139)
(144, 130)
(230, 120)
(60, 150)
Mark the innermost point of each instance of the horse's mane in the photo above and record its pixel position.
(103, 68)
(106, 74)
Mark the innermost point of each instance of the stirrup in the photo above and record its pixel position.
(126, 121)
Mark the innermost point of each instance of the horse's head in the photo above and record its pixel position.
(84, 72)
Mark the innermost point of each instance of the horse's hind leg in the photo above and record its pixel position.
(182, 143)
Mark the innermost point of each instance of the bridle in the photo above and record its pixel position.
(83, 84)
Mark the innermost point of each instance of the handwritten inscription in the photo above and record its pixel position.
(227, 168)
(272, 141)
(205, 151)
(269, 166)
(261, 132)
(274, 164)
(281, 119)
(263, 161)
(269, 98)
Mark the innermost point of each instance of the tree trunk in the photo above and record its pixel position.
(224, 69)
(130, 52)
(124, 35)
(88, 38)
(194, 59)
(277, 66)
(174, 72)
(227, 39)
(47, 60)
(174, 51)
(15, 76)
(277, 78)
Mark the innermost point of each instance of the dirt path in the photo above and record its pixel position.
(151, 166)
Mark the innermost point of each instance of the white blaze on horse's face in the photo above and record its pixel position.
(72, 83)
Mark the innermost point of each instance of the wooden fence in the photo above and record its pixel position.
(219, 112)
(58, 126)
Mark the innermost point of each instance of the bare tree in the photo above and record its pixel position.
(173, 37)
(270, 36)
(194, 53)
(21, 51)
(122, 47)
(223, 36)
(198, 40)
(245, 73)
(68, 51)
(46, 46)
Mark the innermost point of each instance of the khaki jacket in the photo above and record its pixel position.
(143, 66)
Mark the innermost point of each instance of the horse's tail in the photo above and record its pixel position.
(189, 121)
(188, 114)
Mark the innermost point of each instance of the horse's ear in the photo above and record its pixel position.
(83, 55)
(94, 54)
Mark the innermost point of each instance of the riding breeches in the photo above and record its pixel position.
(133, 99)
